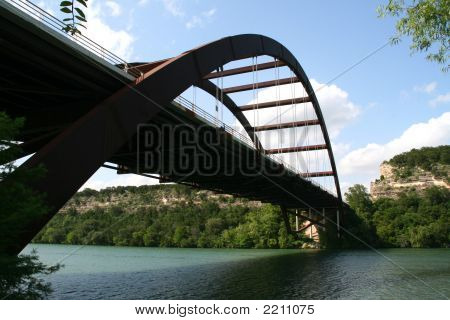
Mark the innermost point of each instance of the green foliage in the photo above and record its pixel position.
(76, 15)
(424, 158)
(13, 208)
(412, 220)
(433, 159)
(359, 200)
(18, 275)
(426, 21)
(189, 220)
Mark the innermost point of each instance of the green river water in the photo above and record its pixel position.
(101, 272)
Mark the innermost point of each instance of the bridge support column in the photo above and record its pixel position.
(285, 216)
(311, 227)
(296, 221)
(323, 218)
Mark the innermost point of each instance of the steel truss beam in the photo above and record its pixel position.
(278, 103)
(297, 149)
(247, 69)
(317, 174)
(260, 85)
(287, 125)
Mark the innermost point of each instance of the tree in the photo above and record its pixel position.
(359, 200)
(426, 21)
(76, 15)
(19, 276)
(19, 280)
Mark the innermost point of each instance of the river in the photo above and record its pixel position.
(102, 272)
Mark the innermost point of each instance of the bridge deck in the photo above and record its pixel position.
(240, 169)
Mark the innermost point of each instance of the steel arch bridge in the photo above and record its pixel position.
(108, 102)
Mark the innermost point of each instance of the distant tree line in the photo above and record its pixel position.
(193, 223)
(433, 159)
(412, 220)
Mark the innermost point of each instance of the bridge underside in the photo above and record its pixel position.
(237, 168)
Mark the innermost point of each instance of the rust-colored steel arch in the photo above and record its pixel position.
(75, 154)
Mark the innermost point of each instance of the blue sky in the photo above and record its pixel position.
(398, 100)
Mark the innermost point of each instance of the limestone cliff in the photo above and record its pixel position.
(394, 180)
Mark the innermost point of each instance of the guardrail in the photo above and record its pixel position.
(213, 120)
(216, 122)
(54, 23)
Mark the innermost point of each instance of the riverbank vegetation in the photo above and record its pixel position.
(167, 216)
(178, 216)
(413, 219)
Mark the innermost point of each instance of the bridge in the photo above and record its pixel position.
(86, 108)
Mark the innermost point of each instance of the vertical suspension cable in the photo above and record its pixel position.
(316, 162)
(221, 96)
(257, 91)
(294, 110)
(306, 130)
(253, 93)
(277, 97)
(217, 98)
(194, 98)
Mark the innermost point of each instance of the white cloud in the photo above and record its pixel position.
(142, 2)
(427, 88)
(337, 109)
(209, 13)
(194, 22)
(197, 21)
(363, 163)
(119, 42)
(340, 149)
(114, 8)
(440, 99)
(174, 8)
(45, 6)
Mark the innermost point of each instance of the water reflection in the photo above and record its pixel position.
(250, 274)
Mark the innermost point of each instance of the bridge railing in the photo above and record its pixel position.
(54, 23)
(243, 138)
(213, 120)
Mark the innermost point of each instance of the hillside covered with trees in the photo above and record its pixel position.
(166, 216)
(435, 160)
(413, 219)
(414, 208)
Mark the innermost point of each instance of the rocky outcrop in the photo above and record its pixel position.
(392, 181)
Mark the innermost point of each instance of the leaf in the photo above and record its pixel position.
(67, 19)
(66, 10)
(65, 3)
(81, 18)
(83, 2)
(80, 12)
